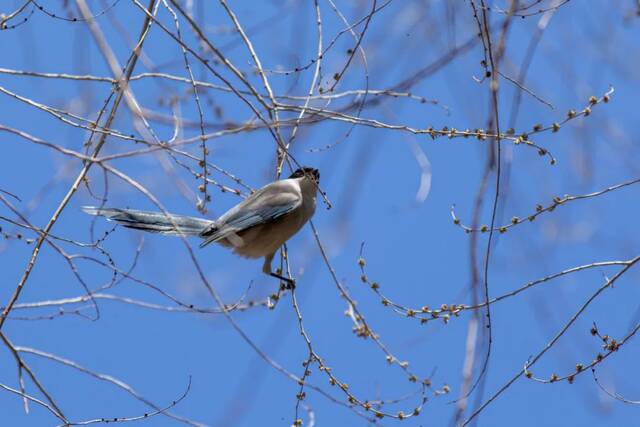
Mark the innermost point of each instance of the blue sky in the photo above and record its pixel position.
(373, 178)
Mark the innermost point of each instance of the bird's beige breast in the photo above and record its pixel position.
(265, 239)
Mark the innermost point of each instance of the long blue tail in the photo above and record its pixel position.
(155, 222)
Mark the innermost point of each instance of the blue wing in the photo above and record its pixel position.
(264, 206)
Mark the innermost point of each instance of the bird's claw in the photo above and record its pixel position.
(289, 284)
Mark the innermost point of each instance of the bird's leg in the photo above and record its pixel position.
(266, 269)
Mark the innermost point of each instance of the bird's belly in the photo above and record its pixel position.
(265, 239)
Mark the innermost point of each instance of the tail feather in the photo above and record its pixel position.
(155, 222)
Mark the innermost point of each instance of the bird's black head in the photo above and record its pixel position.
(309, 172)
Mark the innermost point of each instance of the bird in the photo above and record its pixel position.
(254, 228)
